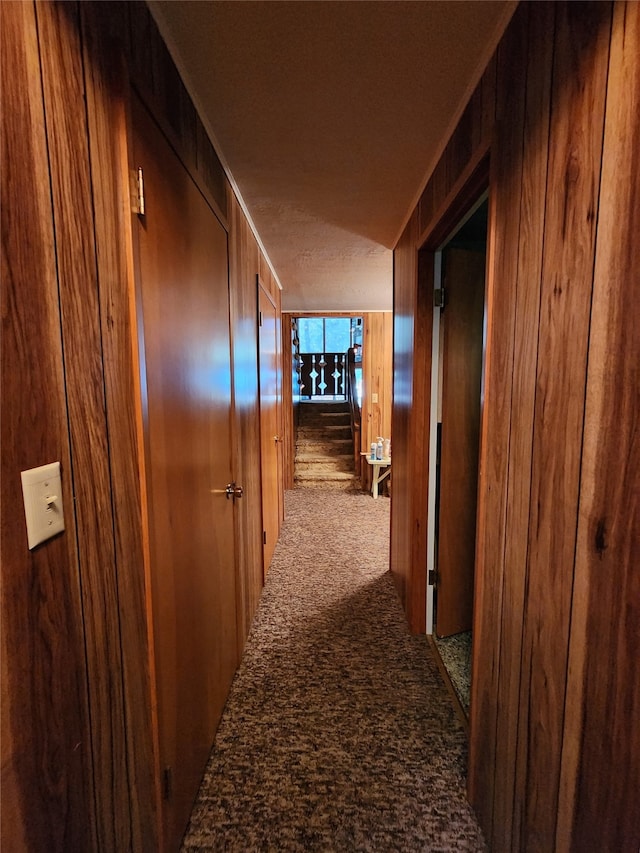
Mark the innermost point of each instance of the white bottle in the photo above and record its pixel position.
(379, 448)
(387, 448)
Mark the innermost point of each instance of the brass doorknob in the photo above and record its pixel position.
(230, 491)
(234, 491)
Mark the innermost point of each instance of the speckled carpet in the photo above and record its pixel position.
(338, 734)
(456, 656)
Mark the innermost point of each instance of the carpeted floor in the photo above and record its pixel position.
(338, 734)
(456, 656)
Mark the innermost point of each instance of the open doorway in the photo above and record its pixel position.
(456, 393)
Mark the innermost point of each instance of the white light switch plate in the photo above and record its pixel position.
(42, 493)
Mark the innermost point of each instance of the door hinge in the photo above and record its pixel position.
(439, 297)
(166, 783)
(137, 191)
(264, 537)
(433, 578)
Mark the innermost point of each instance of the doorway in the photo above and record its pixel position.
(456, 395)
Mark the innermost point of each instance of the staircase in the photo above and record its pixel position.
(324, 448)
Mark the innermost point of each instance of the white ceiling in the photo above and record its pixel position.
(329, 117)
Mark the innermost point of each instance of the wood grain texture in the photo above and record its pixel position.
(47, 795)
(62, 75)
(103, 35)
(525, 355)
(184, 299)
(376, 377)
(243, 267)
(503, 237)
(405, 273)
(581, 54)
(600, 779)
(461, 325)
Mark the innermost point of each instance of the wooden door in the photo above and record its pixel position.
(461, 326)
(268, 358)
(183, 289)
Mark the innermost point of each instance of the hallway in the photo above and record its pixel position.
(338, 734)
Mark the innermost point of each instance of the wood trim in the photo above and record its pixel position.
(471, 184)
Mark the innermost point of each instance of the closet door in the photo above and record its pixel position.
(184, 305)
(461, 377)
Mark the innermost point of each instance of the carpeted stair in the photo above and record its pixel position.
(324, 448)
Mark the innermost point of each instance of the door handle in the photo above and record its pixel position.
(230, 491)
(277, 438)
(233, 491)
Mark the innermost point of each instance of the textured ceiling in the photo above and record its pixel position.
(329, 117)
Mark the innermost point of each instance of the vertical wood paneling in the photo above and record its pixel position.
(106, 110)
(243, 267)
(504, 228)
(376, 373)
(581, 53)
(601, 750)
(62, 75)
(532, 206)
(47, 801)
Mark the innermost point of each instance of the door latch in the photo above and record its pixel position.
(230, 491)
(233, 491)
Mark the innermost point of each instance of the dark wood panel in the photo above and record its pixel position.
(62, 75)
(532, 205)
(504, 231)
(243, 268)
(47, 796)
(106, 114)
(581, 52)
(184, 299)
(601, 749)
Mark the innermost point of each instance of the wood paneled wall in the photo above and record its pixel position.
(80, 762)
(47, 762)
(554, 750)
(376, 376)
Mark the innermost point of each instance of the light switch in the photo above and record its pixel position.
(374, 398)
(42, 493)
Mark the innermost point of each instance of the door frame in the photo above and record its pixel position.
(471, 189)
(435, 409)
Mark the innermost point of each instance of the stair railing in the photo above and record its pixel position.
(354, 405)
